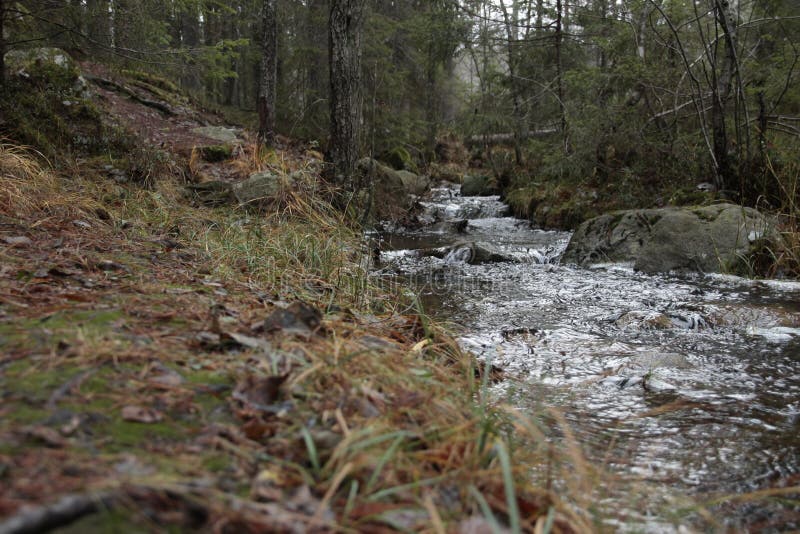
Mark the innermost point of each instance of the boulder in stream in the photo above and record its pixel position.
(415, 184)
(476, 253)
(716, 238)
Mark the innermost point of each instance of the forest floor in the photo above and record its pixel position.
(170, 366)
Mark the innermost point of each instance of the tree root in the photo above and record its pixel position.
(130, 93)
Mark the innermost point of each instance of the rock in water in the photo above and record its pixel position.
(415, 184)
(717, 238)
(476, 253)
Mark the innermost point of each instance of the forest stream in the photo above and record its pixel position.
(683, 388)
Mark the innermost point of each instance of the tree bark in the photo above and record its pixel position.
(345, 34)
(2, 44)
(267, 83)
(559, 74)
(724, 83)
(520, 116)
(98, 24)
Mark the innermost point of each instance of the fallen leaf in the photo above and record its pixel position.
(256, 429)
(141, 414)
(163, 375)
(266, 487)
(421, 345)
(109, 265)
(259, 391)
(298, 318)
(249, 342)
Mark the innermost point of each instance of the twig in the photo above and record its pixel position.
(65, 388)
(63, 512)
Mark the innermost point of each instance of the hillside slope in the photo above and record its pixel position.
(171, 366)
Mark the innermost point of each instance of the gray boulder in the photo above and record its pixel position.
(258, 187)
(476, 253)
(28, 62)
(415, 184)
(390, 198)
(717, 238)
(220, 134)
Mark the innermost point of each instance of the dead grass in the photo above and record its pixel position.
(376, 422)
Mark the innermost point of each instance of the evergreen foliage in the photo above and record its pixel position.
(664, 93)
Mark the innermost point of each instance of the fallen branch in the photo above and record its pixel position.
(505, 138)
(66, 510)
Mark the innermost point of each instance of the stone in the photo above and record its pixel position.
(415, 184)
(218, 133)
(390, 198)
(712, 238)
(476, 253)
(53, 63)
(258, 187)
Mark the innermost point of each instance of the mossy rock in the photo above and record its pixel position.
(220, 134)
(390, 199)
(51, 64)
(717, 238)
(216, 153)
(477, 186)
(399, 159)
(48, 106)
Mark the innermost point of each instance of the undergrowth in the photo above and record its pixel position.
(378, 422)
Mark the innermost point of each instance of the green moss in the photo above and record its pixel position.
(399, 158)
(56, 124)
(125, 434)
(106, 522)
(36, 384)
(26, 414)
(153, 80)
(216, 462)
(216, 153)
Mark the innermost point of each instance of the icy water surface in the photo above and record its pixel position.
(688, 384)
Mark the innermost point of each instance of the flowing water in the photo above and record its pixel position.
(687, 385)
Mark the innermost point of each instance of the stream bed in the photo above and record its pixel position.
(686, 387)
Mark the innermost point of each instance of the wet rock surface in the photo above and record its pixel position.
(717, 238)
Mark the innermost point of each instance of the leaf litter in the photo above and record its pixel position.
(199, 385)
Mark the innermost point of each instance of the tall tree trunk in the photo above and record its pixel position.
(722, 90)
(267, 82)
(98, 25)
(559, 74)
(345, 33)
(2, 44)
(431, 100)
(520, 117)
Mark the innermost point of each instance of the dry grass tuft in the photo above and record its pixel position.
(27, 189)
